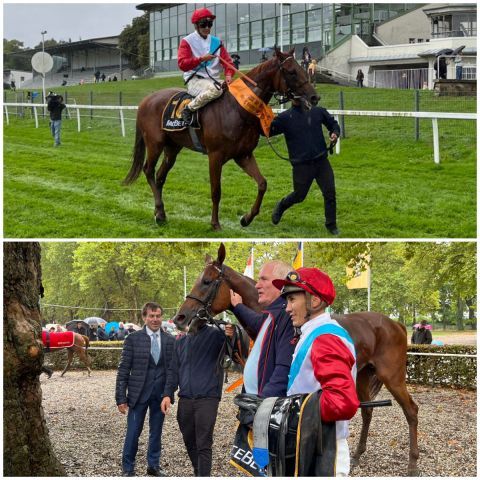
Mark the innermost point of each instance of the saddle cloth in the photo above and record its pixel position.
(299, 444)
(172, 113)
(57, 339)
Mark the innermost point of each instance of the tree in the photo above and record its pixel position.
(27, 448)
(134, 42)
(11, 61)
(50, 42)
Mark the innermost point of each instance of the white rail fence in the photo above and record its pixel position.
(434, 116)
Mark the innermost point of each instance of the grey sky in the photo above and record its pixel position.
(64, 21)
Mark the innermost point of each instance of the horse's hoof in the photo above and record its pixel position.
(354, 462)
(244, 222)
(413, 472)
(216, 226)
(161, 220)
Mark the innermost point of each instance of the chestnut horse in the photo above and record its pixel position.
(228, 131)
(380, 343)
(80, 345)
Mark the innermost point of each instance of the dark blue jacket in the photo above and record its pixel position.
(195, 367)
(303, 132)
(135, 363)
(277, 349)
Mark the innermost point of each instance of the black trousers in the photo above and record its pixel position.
(304, 174)
(196, 419)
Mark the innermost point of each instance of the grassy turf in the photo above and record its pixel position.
(387, 183)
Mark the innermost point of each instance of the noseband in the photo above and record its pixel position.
(205, 311)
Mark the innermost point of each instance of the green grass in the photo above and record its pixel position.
(387, 183)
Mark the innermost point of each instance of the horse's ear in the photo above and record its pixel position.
(221, 254)
(277, 52)
(208, 259)
(291, 52)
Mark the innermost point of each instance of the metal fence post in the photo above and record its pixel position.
(417, 120)
(342, 118)
(91, 103)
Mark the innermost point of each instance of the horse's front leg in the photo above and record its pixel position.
(216, 161)
(250, 167)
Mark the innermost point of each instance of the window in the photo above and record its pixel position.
(256, 29)
(269, 32)
(255, 11)
(268, 10)
(298, 28)
(411, 40)
(243, 15)
(173, 25)
(182, 24)
(244, 38)
(166, 49)
(165, 27)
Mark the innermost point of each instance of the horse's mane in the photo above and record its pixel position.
(262, 69)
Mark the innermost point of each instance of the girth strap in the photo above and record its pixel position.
(261, 426)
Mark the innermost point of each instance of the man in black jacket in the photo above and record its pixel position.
(268, 365)
(101, 333)
(196, 370)
(141, 380)
(55, 106)
(309, 158)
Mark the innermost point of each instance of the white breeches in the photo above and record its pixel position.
(204, 91)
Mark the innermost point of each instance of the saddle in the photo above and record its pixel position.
(55, 340)
(283, 436)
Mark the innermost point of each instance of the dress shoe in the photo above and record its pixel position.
(155, 472)
(334, 230)
(187, 116)
(277, 213)
(129, 474)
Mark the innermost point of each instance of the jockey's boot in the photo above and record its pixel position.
(187, 116)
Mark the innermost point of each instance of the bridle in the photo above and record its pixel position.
(205, 311)
(289, 94)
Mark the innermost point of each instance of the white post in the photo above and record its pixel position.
(78, 119)
(436, 145)
(122, 122)
(36, 116)
(281, 27)
(184, 282)
(43, 74)
(337, 146)
(369, 288)
(6, 115)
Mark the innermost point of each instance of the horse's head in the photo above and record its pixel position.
(209, 296)
(292, 81)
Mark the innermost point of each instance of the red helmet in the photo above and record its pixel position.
(202, 13)
(311, 280)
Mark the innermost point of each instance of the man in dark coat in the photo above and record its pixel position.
(141, 378)
(422, 335)
(101, 333)
(308, 155)
(267, 367)
(197, 372)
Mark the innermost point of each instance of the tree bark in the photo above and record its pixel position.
(27, 450)
(460, 309)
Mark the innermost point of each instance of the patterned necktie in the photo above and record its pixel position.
(155, 350)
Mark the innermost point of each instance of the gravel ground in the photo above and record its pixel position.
(87, 432)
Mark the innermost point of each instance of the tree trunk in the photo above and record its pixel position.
(27, 450)
(460, 309)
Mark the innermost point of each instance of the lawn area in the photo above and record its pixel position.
(387, 183)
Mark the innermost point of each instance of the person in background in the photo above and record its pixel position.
(112, 335)
(306, 58)
(121, 332)
(59, 329)
(236, 60)
(458, 60)
(422, 334)
(80, 328)
(55, 106)
(101, 333)
(360, 77)
(141, 378)
(324, 357)
(51, 330)
(267, 367)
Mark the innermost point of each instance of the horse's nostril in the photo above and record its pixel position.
(314, 99)
(179, 319)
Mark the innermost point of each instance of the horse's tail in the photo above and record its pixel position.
(87, 341)
(138, 158)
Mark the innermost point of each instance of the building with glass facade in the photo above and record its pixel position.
(246, 28)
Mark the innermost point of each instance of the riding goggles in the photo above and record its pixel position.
(205, 23)
(294, 277)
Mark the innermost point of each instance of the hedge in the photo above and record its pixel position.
(460, 372)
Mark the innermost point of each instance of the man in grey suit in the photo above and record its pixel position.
(141, 379)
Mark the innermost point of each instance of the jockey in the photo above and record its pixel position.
(324, 357)
(198, 58)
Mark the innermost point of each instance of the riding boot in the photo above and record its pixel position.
(187, 116)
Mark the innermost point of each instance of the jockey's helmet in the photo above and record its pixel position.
(202, 13)
(311, 280)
